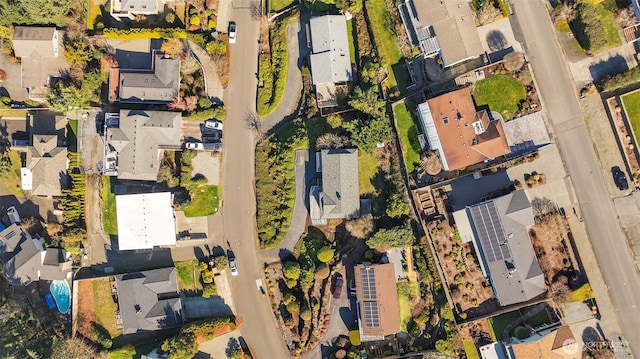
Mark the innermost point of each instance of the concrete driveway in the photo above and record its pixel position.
(497, 39)
(207, 164)
(222, 346)
(12, 86)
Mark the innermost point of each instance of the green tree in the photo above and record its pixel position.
(367, 101)
(293, 307)
(292, 270)
(367, 133)
(325, 254)
(5, 164)
(322, 272)
(207, 276)
(288, 298)
(204, 103)
(400, 236)
(221, 262)
(78, 52)
(170, 18)
(396, 206)
(334, 121)
(307, 270)
(31, 12)
(209, 290)
(216, 47)
(183, 346)
(305, 313)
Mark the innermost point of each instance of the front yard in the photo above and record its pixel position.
(205, 201)
(500, 93)
(13, 181)
(188, 275)
(632, 106)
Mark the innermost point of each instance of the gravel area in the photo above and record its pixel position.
(208, 165)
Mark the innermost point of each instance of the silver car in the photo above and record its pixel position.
(233, 266)
(232, 32)
(194, 146)
(213, 124)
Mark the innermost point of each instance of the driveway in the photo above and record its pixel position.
(214, 87)
(594, 69)
(207, 164)
(497, 39)
(222, 346)
(12, 86)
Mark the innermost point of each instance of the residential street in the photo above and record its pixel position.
(607, 239)
(238, 210)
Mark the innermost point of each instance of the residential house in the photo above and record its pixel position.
(378, 308)
(160, 84)
(45, 170)
(135, 140)
(557, 344)
(330, 59)
(149, 300)
(121, 9)
(443, 29)
(26, 260)
(461, 135)
(40, 50)
(338, 193)
(499, 230)
(145, 221)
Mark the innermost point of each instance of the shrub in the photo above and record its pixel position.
(322, 271)
(325, 254)
(140, 33)
(400, 236)
(194, 20)
(521, 332)
(218, 112)
(588, 27)
(221, 262)
(334, 121)
(211, 24)
(397, 206)
(288, 298)
(204, 102)
(272, 71)
(291, 270)
(170, 18)
(207, 276)
(305, 314)
(102, 337)
(3, 75)
(293, 307)
(291, 283)
(209, 290)
(361, 227)
(513, 61)
(463, 316)
(626, 78)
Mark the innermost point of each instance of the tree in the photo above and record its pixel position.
(204, 102)
(170, 18)
(31, 12)
(78, 52)
(397, 206)
(366, 134)
(307, 270)
(194, 20)
(221, 262)
(207, 276)
(488, 14)
(5, 164)
(367, 101)
(334, 121)
(292, 270)
(513, 61)
(288, 298)
(181, 347)
(322, 271)
(72, 348)
(305, 313)
(395, 237)
(559, 292)
(216, 47)
(209, 290)
(174, 48)
(625, 17)
(108, 62)
(293, 307)
(361, 227)
(325, 254)
(331, 141)
(521, 332)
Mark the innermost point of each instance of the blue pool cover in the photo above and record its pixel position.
(62, 295)
(50, 301)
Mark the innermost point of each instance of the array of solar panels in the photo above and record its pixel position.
(369, 296)
(490, 232)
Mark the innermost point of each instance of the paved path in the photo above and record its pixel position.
(214, 87)
(618, 299)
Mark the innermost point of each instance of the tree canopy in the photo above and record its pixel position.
(292, 270)
(395, 237)
(35, 12)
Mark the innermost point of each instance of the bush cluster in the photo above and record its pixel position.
(272, 70)
(139, 33)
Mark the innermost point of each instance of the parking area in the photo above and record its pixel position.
(222, 346)
(497, 39)
(207, 164)
(196, 227)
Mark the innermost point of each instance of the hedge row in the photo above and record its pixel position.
(219, 112)
(273, 71)
(626, 78)
(138, 33)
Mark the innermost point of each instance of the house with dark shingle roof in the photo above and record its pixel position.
(461, 135)
(160, 84)
(26, 260)
(499, 230)
(338, 193)
(40, 50)
(121, 9)
(149, 300)
(442, 28)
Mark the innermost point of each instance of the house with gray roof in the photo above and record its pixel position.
(45, 170)
(149, 300)
(40, 50)
(26, 260)
(443, 29)
(121, 9)
(137, 141)
(330, 61)
(160, 84)
(499, 230)
(338, 193)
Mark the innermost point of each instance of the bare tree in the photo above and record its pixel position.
(488, 14)
(331, 140)
(625, 17)
(361, 227)
(559, 292)
(568, 11)
(513, 61)
(542, 206)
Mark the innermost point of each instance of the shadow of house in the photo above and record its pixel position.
(611, 66)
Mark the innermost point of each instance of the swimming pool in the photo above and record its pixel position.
(62, 295)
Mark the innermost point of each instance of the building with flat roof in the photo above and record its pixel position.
(160, 84)
(121, 9)
(461, 135)
(499, 230)
(145, 221)
(149, 300)
(378, 308)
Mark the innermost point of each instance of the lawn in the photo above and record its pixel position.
(501, 93)
(94, 12)
(408, 132)
(188, 275)
(13, 182)
(583, 293)
(470, 349)
(367, 168)
(205, 202)
(131, 352)
(632, 106)
(277, 5)
(611, 30)
(352, 46)
(109, 216)
(181, 11)
(538, 319)
(387, 44)
(105, 307)
(13, 113)
(405, 291)
(499, 323)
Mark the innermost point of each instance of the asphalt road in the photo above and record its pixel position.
(562, 108)
(238, 210)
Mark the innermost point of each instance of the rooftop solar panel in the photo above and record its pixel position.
(490, 232)
(368, 278)
(371, 314)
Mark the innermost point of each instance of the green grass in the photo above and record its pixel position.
(205, 202)
(352, 44)
(105, 307)
(470, 349)
(501, 93)
(387, 44)
(188, 275)
(367, 168)
(109, 215)
(408, 132)
(277, 5)
(72, 135)
(499, 323)
(611, 29)
(272, 71)
(406, 290)
(13, 181)
(563, 26)
(13, 113)
(537, 319)
(583, 293)
(94, 12)
(632, 106)
(181, 11)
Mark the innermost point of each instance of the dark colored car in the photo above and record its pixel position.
(338, 290)
(619, 178)
(213, 137)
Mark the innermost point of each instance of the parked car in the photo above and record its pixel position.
(338, 290)
(194, 146)
(352, 288)
(619, 178)
(260, 286)
(213, 146)
(213, 124)
(233, 266)
(14, 216)
(213, 137)
(232, 32)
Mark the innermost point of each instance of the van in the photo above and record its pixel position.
(14, 216)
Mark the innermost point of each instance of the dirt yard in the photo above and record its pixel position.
(86, 311)
(548, 236)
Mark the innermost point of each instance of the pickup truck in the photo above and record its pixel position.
(260, 286)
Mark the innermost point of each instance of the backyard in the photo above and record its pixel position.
(13, 181)
(408, 295)
(105, 307)
(499, 323)
(632, 106)
(188, 275)
(408, 132)
(500, 93)
(368, 167)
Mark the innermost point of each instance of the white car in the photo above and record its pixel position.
(233, 266)
(232, 32)
(213, 124)
(194, 146)
(13, 214)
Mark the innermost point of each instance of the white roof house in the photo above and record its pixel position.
(145, 221)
